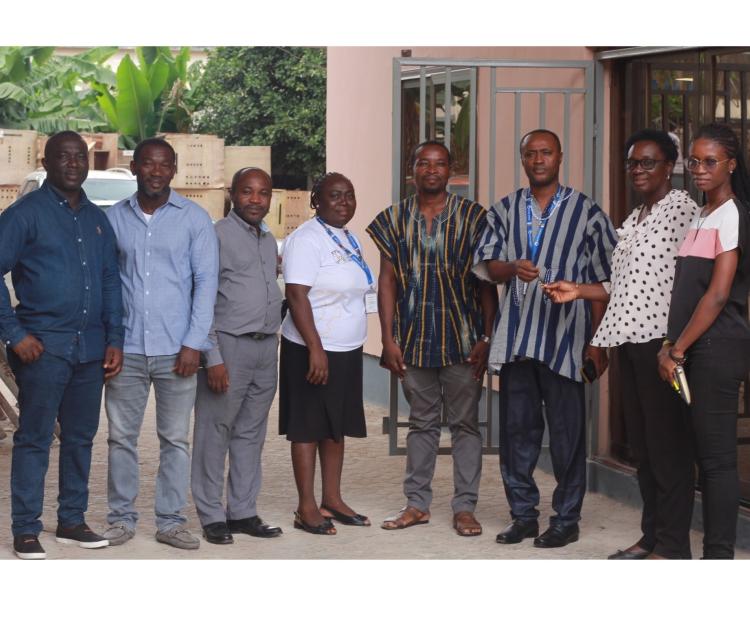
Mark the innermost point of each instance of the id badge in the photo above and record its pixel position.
(371, 302)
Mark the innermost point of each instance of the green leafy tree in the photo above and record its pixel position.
(148, 97)
(267, 96)
(49, 93)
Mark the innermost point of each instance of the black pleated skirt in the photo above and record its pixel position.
(309, 413)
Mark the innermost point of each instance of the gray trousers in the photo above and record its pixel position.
(427, 391)
(233, 423)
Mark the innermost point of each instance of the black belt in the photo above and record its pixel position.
(258, 335)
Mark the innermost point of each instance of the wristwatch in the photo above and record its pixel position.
(484, 338)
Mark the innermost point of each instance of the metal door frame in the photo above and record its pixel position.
(592, 167)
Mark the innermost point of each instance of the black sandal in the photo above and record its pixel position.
(356, 519)
(326, 528)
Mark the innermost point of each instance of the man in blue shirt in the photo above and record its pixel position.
(64, 339)
(168, 257)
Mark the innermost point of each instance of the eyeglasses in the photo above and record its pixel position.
(645, 164)
(709, 163)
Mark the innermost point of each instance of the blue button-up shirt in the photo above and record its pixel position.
(63, 264)
(169, 268)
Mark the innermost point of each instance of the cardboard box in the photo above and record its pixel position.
(296, 210)
(237, 157)
(8, 195)
(200, 160)
(274, 218)
(289, 209)
(18, 151)
(212, 200)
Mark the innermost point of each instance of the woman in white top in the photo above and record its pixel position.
(656, 421)
(320, 395)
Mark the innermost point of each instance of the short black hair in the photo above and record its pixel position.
(153, 142)
(242, 171)
(547, 131)
(60, 135)
(320, 183)
(661, 138)
(413, 158)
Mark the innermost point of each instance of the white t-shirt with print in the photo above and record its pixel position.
(338, 286)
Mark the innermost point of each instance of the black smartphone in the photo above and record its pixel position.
(588, 372)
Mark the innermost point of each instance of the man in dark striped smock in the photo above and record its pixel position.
(537, 235)
(436, 318)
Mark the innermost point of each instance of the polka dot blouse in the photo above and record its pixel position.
(643, 265)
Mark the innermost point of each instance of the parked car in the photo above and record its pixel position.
(103, 187)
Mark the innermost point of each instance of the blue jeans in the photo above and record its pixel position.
(125, 399)
(52, 389)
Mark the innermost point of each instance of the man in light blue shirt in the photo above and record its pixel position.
(168, 256)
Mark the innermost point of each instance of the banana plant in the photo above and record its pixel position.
(147, 95)
(48, 93)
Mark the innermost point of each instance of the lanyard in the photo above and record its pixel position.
(357, 258)
(534, 244)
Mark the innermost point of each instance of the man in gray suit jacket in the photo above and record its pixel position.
(237, 386)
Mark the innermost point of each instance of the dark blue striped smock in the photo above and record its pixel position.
(577, 245)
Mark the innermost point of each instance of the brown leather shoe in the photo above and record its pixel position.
(406, 517)
(465, 524)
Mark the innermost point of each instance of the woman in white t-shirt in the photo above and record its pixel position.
(320, 394)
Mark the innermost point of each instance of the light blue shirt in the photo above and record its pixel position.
(169, 270)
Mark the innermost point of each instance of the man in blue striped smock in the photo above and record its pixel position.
(535, 235)
(435, 318)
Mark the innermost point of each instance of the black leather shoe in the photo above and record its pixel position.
(517, 531)
(557, 536)
(217, 533)
(253, 526)
(641, 554)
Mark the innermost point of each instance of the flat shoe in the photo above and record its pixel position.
(326, 528)
(466, 524)
(253, 526)
(517, 531)
(356, 519)
(629, 555)
(406, 517)
(557, 536)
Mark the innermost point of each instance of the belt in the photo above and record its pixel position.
(258, 335)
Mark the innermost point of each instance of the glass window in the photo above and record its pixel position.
(454, 107)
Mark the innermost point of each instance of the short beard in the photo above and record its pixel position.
(149, 194)
(433, 192)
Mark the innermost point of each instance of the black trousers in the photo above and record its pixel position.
(715, 368)
(660, 437)
(524, 386)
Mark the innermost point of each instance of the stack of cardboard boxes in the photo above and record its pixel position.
(18, 155)
(204, 171)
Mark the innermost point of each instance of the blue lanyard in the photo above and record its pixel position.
(534, 244)
(357, 258)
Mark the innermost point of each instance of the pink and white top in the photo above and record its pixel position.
(725, 229)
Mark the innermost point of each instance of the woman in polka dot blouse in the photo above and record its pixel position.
(656, 420)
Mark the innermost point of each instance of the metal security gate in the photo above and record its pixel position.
(480, 109)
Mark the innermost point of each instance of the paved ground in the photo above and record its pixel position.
(372, 485)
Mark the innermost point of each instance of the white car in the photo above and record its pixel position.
(103, 187)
